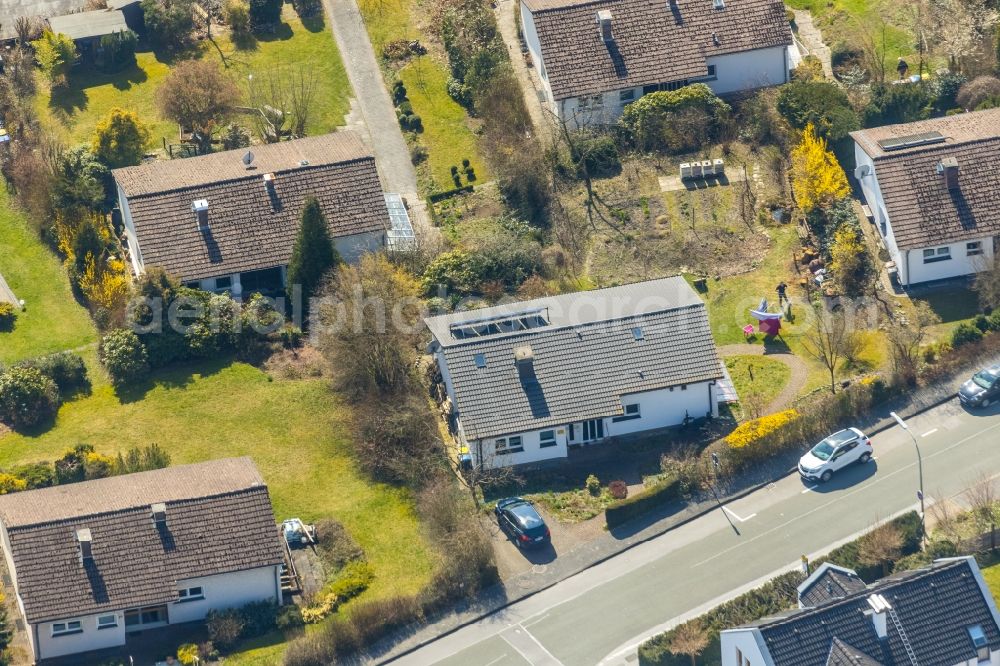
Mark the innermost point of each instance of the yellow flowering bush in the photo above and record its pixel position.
(11, 484)
(750, 432)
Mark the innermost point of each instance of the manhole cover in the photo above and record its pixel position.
(539, 569)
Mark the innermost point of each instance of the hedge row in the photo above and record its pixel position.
(447, 194)
(908, 525)
(625, 510)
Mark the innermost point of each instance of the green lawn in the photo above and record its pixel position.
(992, 576)
(53, 320)
(953, 306)
(447, 134)
(758, 375)
(294, 430)
(74, 111)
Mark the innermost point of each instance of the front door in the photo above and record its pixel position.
(593, 430)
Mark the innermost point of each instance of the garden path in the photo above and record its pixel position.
(812, 38)
(533, 98)
(797, 380)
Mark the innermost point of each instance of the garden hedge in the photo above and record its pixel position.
(625, 510)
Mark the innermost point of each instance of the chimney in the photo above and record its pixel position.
(200, 208)
(604, 24)
(880, 609)
(949, 168)
(524, 359)
(85, 541)
(159, 513)
(269, 181)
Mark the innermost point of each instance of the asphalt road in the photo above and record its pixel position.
(601, 615)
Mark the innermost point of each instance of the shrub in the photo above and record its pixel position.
(235, 136)
(236, 14)
(187, 654)
(977, 91)
(11, 484)
(118, 50)
(36, 475)
(596, 152)
(265, 14)
(7, 316)
(821, 103)
(945, 89)
(593, 485)
(27, 397)
(983, 323)
(258, 618)
(667, 490)
(398, 92)
(289, 618)
(418, 153)
(124, 356)
(676, 120)
(71, 467)
(618, 489)
(168, 27)
(98, 466)
(965, 333)
(66, 369)
(224, 627)
(308, 8)
(751, 432)
(848, 555)
(890, 104)
(335, 545)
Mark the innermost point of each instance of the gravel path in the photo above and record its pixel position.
(812, 39)
(507, 20)
(796, 382)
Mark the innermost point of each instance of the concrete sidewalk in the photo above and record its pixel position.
(392, 156)
(615, 542)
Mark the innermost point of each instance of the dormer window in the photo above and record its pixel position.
(719, 4)
(980, 643)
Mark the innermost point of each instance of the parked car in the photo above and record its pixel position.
(834, 453)
(983, 389)
(520, 520)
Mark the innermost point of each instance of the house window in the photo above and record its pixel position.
(935, 254)
(506, 445)
(719, 4)
(684, 387)
(626, 96)
(980, 643)
(480, 360)
(590, 102)
(637, 333)
(66, 628)
(190, 594)
(547, 438)
(711, 72)
(631, 412)
(974, 248)
(224, 282)
(107, 621)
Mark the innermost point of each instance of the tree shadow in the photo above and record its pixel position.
(281, 32)
(314, 23)
(177, 376)
(69, 99)
(128, 77)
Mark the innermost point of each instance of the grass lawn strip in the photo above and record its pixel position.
(768, 376)
(53, 321)
(74, 111)
(293, 429)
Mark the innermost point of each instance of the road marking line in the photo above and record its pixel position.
(808, 489)
(930, 432)
(733, 514)
(855, 491)
(497, 660)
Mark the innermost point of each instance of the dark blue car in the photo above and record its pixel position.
(519, 519)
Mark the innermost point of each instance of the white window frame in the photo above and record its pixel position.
(933, 255)
(512, 444)
(626, 96)
(631, 412)
(67, 628)
(712, 73)
(186, 594)
(973, 248)
(547, 438)
(590, 102)
(107, 625)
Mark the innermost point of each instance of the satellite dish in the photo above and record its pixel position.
(248, 158)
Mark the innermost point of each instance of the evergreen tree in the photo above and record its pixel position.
(314, 254)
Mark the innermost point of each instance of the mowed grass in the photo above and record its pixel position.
(447, 133)
(992, 576)
(847, 20)
(295, 431)
(74, 111)
(758, 376)
(53, 320)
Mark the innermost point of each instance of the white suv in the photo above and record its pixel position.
(835, 453)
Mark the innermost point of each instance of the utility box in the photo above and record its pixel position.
(686, 171)
(706, 169)
(696, 171)
(719, 166)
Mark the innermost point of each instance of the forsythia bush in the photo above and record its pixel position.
(817, 178)
(11, 484)
(107, 287)
(747, 434)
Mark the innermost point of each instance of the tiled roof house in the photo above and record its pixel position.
(942, 615)
(527, 380)
(219, 223)
(595, 56)
(95, 561)
(933, 187)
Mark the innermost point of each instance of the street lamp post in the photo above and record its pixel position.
(920, 470)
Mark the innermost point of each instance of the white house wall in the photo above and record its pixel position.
(742, 643)
(530, 442)
(535, 51)
(133, 244)
(90, 638)
(664, 408)
(748, 70)
(230, 590)
(351, 248)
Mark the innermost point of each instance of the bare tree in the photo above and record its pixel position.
(959, 29)
(301, 93)
(984, 505)
(689, 639)
(24, 28)
(873, 44)
(486, 469)
(267, 92)
(881, 547)
(905, 336)
(827, 341)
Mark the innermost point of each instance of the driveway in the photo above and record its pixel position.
(392, 156)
